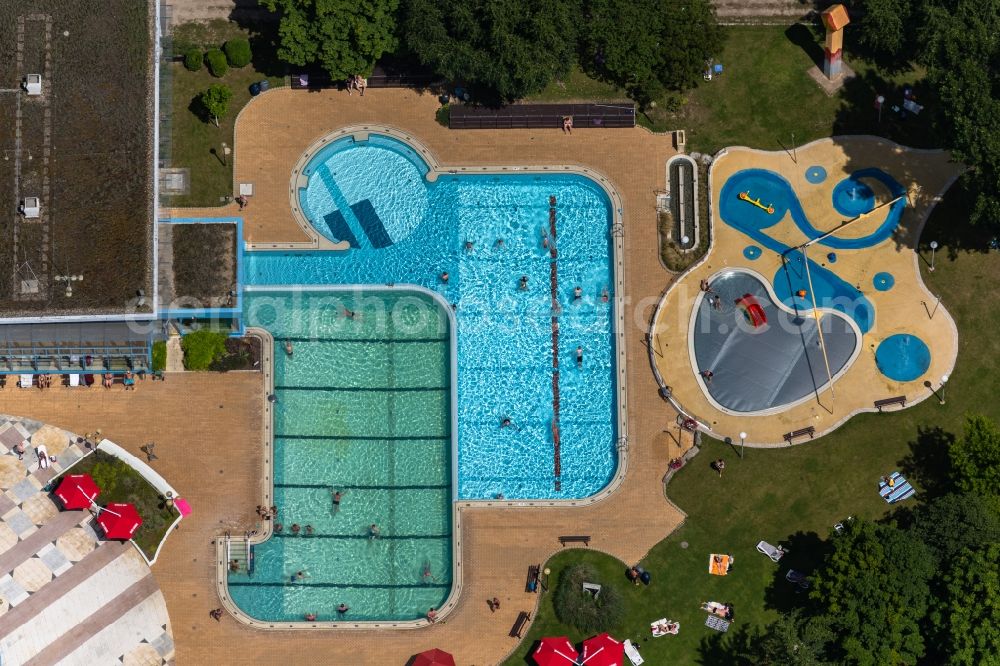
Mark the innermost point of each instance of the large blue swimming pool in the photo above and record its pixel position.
(406, 230)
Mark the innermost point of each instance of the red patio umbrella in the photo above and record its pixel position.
(77, 491)
(119, 521)
(556, 651)
(602, 650)
(433, 657)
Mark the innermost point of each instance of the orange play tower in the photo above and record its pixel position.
(835, 18)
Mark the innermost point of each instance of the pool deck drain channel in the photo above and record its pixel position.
(554, 282)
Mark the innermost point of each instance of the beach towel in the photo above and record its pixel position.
(720, 567)
(898, 491)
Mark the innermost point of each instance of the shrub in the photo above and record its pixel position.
(202, 347)
(443, 115)
(237, 52)
(159, 355)
(107, 472)
(581, 609)
(193, 59)
(216, 62)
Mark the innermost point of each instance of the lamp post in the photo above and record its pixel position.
(743, 441)
(934, 247)
(225, 154)
(684, 241)
(944, 380)
(547, 572)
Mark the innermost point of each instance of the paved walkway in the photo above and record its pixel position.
(208, 427)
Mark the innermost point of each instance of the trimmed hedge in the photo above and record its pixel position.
(215, 59)
(202, 347)
(581, 609)
(237, 52)
(193, 59)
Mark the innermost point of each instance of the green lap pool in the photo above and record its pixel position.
(364, 406)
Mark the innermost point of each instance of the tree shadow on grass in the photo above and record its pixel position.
(806, 551)
(928, 465)
(859, 115)
(728, 648)
(198, 110)
(952, 237)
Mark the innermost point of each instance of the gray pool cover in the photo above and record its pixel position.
(774, 365)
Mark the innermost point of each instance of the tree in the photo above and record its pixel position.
(202, 347)
(216, 61)
(873, 592)
(791, 640)
(502, 49)
(953, 522)
(345, 37)
(192, 59)
(583, 610)
(237, 52)
(649, 46)
(975, 458)
(960, 51)
(969, 617)
(888, 28)
(215, 101)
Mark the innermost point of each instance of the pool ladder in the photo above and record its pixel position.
(241, 551)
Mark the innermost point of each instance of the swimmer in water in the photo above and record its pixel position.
(604, 295)
(579, 355)
(506, 423)
(577, 293)
(336, 496)
(288, 347)
(524, 283)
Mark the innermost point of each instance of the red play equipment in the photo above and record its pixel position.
(751, 310)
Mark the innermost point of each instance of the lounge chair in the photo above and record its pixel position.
(774, 552)
(26, 381)
(74, 379)
(633, 653)
(663, 627)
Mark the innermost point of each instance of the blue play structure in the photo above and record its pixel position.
(851, 197)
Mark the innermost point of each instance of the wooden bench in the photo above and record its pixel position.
(522, 619)
(789, 436)
(898, 400)
(585, 540)
(531, 585)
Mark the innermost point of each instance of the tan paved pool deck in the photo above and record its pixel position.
(208, 427)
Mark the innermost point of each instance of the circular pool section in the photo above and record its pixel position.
(903, 357)
(852, 197)
(369, 192)
(772, 366)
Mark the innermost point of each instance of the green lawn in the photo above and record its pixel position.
(194, 138)
(794, 496)
(578, 87)
(765, 96)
